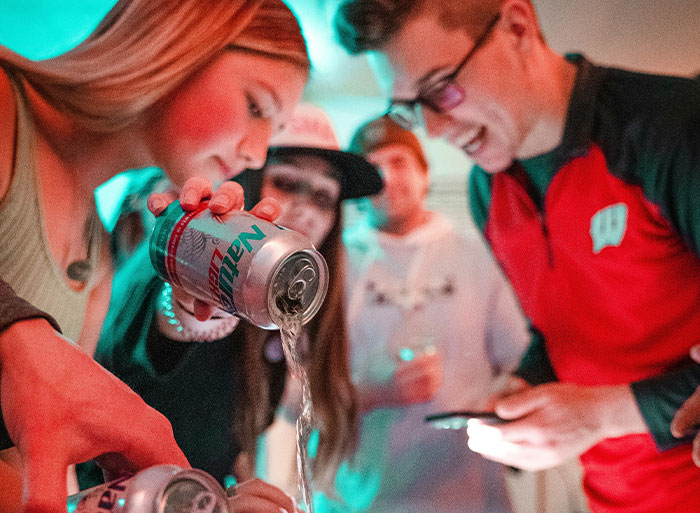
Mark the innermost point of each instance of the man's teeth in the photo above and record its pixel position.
(474, 141)
(474, 146)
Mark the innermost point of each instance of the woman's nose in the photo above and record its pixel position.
(253, 147)
(303, 209)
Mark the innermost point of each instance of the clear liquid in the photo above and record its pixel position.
(290, 331)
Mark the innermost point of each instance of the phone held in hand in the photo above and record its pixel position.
(458, 419)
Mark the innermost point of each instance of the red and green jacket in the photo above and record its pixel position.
(600, 239)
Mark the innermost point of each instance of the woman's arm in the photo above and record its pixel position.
(10, 489)
(8, 114)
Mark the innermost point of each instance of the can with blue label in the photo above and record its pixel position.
(240, 263)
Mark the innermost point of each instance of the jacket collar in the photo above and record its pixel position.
(580, 117)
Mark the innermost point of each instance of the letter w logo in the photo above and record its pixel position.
(608, 226)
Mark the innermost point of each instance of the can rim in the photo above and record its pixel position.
(191, 474)
(315, 305)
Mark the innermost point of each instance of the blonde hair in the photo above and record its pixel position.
(144, 49)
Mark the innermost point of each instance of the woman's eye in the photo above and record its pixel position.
(286, 185)
(324, 200)
(254, 108)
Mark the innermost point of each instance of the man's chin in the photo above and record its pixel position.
(493, 165)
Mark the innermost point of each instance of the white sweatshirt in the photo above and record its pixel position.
(436, 288)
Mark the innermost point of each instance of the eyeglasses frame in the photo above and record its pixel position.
(447, 81)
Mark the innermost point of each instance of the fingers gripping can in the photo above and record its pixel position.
(246, 266)
(158, 489)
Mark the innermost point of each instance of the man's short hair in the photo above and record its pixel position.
(367, 25)
(382, 132)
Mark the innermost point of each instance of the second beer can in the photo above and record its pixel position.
(158, 489)
(246, 266)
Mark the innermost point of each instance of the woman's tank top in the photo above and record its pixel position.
(26, 262)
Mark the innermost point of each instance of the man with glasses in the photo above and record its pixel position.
(585, 187)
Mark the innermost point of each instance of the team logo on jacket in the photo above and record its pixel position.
(608, 226)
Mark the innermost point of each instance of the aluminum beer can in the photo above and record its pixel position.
(158, 489)
(246, 266)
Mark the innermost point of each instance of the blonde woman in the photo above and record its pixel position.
(194, 87)
(221, 381)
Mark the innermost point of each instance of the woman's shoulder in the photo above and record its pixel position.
(8, 114)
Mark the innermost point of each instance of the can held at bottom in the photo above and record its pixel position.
(158, 489)
(246, 266)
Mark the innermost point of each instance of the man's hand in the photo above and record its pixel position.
(416, 381)
(227, 198)
(60, 407)
(687, 418)
(553, 423)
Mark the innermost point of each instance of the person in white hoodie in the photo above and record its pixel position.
(432, 326)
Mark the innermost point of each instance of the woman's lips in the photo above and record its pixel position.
(227, 172)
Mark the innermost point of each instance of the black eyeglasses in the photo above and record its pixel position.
(444, 95)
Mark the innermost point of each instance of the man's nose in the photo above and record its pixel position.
(436, 124)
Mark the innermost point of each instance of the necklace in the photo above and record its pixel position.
(81, 270)
(194, 330)
(165, 306)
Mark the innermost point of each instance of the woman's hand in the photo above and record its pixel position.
(227, 198)
(257, 496)
(687, 418)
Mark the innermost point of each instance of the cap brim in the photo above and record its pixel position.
(358, 178)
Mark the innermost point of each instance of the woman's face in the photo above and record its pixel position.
(219, 121)
(307, 192)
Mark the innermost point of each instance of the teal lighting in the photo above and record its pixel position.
(315, 19)
(407, 354)
(121, 502)
(229, 481)
(40, 29)
(109, 197)
(312, 446)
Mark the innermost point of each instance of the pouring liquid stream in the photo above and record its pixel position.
(290, 332)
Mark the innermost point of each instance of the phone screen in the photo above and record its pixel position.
(458, 419)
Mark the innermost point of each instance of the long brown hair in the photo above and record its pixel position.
(144, 49)
(332, 391)
(333, 394)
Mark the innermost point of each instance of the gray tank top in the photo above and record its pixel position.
(26, 262)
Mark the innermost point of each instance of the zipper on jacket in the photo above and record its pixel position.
(523, 179)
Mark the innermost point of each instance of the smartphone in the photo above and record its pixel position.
(458, 419)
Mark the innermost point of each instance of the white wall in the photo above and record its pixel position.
(654, 35)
